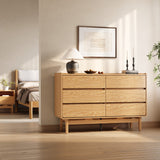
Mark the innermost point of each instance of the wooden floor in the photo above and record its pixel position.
(29, 141)
(19, 117)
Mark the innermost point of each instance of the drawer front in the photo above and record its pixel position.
(132, 95)
(130, 109)
(84, 110)
(7, 100)
(83, 81)
(83, 96)
(125, 81)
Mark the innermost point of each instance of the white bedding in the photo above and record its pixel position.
(34, 96)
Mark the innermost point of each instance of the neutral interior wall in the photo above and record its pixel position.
(18, 36)
(137, 22)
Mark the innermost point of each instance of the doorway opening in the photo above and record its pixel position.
(19, 62)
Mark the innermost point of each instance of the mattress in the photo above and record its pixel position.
(34, 96)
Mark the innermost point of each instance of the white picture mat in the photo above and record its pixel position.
(97, 42)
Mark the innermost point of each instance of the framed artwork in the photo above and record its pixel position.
(97, 42)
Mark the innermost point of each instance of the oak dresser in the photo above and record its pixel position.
(100, 98)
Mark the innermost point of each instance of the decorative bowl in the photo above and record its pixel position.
(90, 72)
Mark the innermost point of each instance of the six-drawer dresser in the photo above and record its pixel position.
(100, 98)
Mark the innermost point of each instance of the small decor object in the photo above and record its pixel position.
(100, 72)
(97, 42)
(6, 84)
(155, 53)
(90, 71)
(72, 66)
(133, 71)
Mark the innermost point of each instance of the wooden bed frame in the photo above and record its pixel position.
(30, 105)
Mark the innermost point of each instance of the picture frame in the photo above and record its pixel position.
(97, 42)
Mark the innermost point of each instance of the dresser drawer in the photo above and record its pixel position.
(127, 109)
(7, 100)
(84, 110)
(83, 96)
(124, 95)
(83, 81)
(125, 81)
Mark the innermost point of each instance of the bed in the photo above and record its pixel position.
(27, 89)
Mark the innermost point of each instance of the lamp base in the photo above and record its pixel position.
(72, 67)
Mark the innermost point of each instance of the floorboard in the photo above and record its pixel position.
(25, 141)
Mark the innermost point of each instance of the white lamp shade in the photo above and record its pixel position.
(73, 54)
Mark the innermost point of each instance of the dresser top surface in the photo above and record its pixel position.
(96, 74)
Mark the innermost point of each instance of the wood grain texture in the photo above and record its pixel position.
(7, 100)
(80, 92)
(84, 110)
(35, 104)
(102, 121)
(66, 126)
(58, 95)
(83, 82)
(127, 109)
(104, 74)
(118, 95)
(125, 81)
(30, 141)
(30, 110)
(83, 96)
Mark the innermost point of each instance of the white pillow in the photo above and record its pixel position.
(28, 84)
(28, 75)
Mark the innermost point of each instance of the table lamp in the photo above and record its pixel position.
(72, 66)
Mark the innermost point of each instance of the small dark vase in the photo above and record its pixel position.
(72, 67)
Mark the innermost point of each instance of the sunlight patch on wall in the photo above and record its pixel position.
(127, 39)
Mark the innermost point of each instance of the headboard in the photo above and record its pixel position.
(25, 76)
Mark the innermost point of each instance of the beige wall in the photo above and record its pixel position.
(18, 36)
(137, 22)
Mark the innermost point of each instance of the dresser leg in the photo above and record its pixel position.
(139, 124)
(61, 125)
(66, 126)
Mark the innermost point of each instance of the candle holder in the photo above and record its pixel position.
(133, 64)
(133, 71)
(127, 65)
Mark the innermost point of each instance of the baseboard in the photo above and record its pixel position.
(96, 127)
